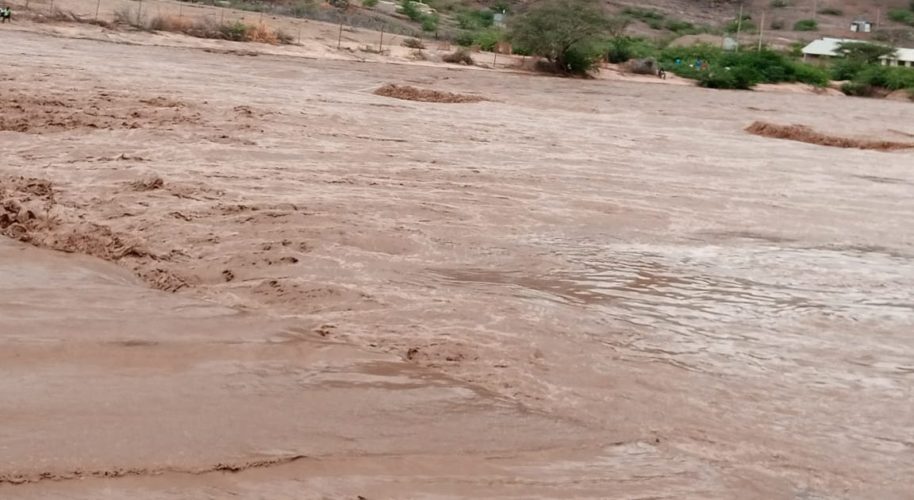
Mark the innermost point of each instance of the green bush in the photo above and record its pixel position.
(369, 3)
(740, 70)
(621, 49)
(443, 5)
(846, 69)
(681, 27)
(464, 38)
(810, 74)
(858, 89)
(887, 77)
(236, 31)
(806, 25)
(429, 23)
(487, 39)
(687, 57)
(304, 9)
(475, 19)
(902, 16)
(831, 11)
(899, 78)
(739, 77)
(409, 9)
(779, 4)
(580, 59)
(643, 14)
(774, 67)
(618, 50)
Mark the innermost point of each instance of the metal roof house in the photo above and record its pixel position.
(825, 48)
(861, 25)
(901, 57)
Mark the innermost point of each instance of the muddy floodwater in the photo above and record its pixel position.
(278, 284)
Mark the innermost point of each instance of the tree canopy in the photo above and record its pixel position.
(866, 52)
(554, 29)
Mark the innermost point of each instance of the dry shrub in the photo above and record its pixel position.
(260, 33)
(206, 28)
(459, 56)
(413, 43)
(417, 55)
(424, 95)
(283, 37)
(130, 17)
(803, 133)
(58, 15)
(641, 66)
(171, 23)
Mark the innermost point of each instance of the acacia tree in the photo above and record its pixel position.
(562, 32)
(869, 53)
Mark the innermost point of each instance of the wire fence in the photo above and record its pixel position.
(291, 18)
(355, 29)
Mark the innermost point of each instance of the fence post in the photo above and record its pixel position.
(381, 43)
(339, 40)
(761, 32)
(98, 5)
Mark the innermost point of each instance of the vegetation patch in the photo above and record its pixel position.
(566, 33)
(806, 25)
(459, 56)
(831, 11)
(715, 68)
(803, 133)
(902, 16)
(413, 43)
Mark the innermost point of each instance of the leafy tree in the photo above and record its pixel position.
(409, 9)
(429, 23)
(865, 52)
(564, 32)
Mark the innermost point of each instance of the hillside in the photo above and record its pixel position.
(777, 17)
(833, 16)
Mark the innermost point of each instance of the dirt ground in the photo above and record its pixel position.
(594, 289)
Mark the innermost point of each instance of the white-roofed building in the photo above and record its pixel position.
(901, 57)
(825, 48)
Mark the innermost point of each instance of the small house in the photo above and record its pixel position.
(861, 25)
(825, 48)
(901, 57)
